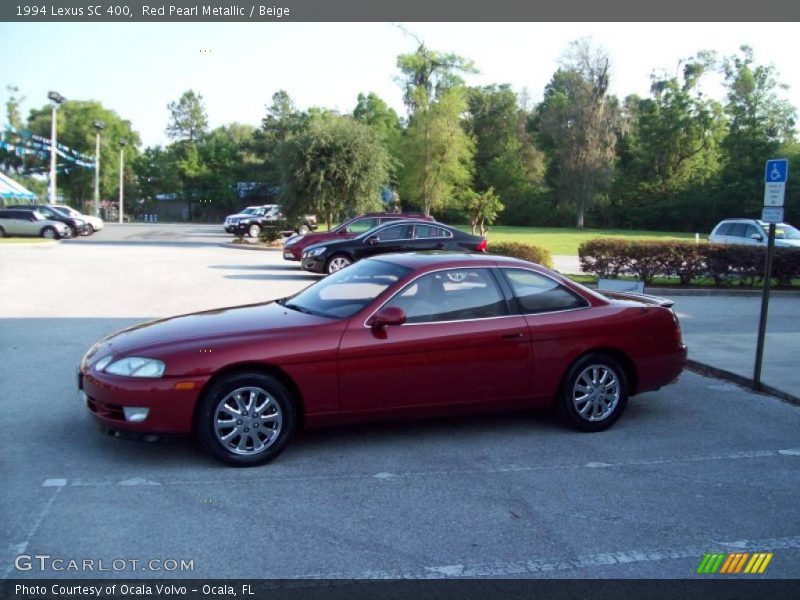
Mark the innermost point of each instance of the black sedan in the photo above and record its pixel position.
(397, 236)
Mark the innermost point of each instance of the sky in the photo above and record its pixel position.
(136, 69)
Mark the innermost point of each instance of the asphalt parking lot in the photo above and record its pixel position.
(701, 466)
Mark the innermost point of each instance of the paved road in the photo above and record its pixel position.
(697, 467)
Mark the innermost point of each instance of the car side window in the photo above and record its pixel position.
(738, 229)
(751, 231)
(429, 231)
(396, 232)
(724, 229)
(537, 293)
(454, 295)
(362, 225)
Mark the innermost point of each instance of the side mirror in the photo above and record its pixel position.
(756, 236)
(373, 240)
(388, 315)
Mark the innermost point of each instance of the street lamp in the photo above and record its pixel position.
(121, 175)
(99, 126)
(55, 99)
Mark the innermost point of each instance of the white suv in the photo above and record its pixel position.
(754, 233)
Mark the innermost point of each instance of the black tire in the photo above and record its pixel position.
(279, 409)
(49, 233)
(581, 405)
(89, 229)
(2, 232)
(254, 230)
(335, 263)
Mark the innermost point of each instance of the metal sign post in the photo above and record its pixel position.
(775, 176)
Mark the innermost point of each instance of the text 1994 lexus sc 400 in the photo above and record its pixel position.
(400, 335)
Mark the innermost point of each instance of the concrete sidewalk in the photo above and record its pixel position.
(721, 331)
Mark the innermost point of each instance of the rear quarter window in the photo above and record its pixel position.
(538, 294)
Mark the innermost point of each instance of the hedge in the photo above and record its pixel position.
(724, 263)
(535, 254)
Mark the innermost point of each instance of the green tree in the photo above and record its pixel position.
(578, 124)
(506, 155)
(483, 209)
(437, 153)
(427, 74)
(338, 165)
(282, 122)
(10, 161)
(759, 123)
(76, 129)
(187, 117)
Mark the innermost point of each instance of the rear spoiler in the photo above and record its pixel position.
(643, 298)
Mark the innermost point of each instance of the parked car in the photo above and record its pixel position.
(255, 218)
(753, 232)
(395, 336)
(398, 236)
(31, 223)
(77, 226)
(294, 246)
(92, 223)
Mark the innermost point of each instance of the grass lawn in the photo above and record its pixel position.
(566, 240)
(22, 240)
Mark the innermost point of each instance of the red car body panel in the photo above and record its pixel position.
(342, 370)
(295, 251)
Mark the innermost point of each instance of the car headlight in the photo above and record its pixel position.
(316, 251)
(136, 366)
(244, 221)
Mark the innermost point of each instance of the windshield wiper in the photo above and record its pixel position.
(297, 307)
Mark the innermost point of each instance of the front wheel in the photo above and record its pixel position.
(594, 393)
(254, 230)
(337, 263)
(245, 419)
(89, 229)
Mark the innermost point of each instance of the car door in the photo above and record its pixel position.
(393, 238)
(23, 222)
(460, 345)
(429, 237)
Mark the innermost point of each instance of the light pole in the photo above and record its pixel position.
(99, 126)
(121, 175)
(55, 99)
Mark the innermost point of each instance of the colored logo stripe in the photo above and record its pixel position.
(734, 563)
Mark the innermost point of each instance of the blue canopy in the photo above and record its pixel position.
(12, 190)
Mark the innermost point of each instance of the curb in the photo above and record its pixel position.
(249, 246)
(708, 370)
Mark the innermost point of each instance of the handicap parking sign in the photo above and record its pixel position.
(776, 171)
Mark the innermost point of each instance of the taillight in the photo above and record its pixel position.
(481, 247)
(677, 331)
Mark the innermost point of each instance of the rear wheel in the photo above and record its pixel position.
(337, 263)
(245, 419)
(594, 393)
(254, 230)
(49, 233)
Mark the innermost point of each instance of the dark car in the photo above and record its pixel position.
(400, 236)
(77, 226)
(252, 220)
(395, 336)
(294, 246)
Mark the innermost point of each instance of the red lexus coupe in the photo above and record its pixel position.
(399, 335)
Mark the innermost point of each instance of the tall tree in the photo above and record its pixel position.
(282, 122)
(437, 153)
(338, 165)
(578, 122)
(187, 117)
(427, 74)
(759, 122)
(76, 129)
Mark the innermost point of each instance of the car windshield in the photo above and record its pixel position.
(251, 210)
(66, 211)
(38, 216)
(346, 292)
(786, 232)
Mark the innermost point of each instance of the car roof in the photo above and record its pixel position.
(444, 258)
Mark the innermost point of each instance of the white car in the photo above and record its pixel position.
(92, 223)
(752, 232)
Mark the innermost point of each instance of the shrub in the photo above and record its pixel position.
(722, 262)
(534, 254)
(269, 235)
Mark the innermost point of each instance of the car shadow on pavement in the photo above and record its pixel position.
(276, 277)
(294, 268)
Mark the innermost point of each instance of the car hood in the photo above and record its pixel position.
(252, 319)
(240, 216)
(787, 243)
(324, 236)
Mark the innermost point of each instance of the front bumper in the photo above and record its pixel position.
(119, 403)
(314, 264)
(291, 253)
